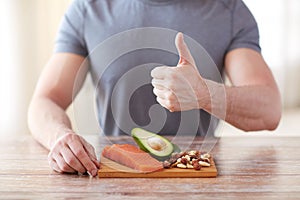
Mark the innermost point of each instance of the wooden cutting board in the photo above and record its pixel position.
(111, 169)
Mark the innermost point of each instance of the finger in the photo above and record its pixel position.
(158, 83)
(97, 163)
(79, 151)
(172, 106)
(165, 103)
(54, 166)
(72, 160)
(94, 159)
(159, 72)
(88, 148)
(159, 93)
(185, 55)
(161, 102)
(63, 166)
(163, 94)
(90, 151)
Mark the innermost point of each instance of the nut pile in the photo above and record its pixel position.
(188, 160)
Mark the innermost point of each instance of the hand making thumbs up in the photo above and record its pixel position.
(180, 88)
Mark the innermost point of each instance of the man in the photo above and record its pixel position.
(225, 28)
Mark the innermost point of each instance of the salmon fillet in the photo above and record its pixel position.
(132, 157)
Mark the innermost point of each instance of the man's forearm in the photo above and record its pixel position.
(249, 108)
(47, 121)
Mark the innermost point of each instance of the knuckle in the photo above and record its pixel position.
(89, 147)
(153, 72)
(52, 154)
(153, 82)
(71, 137)
(50, 161)
(61, 143)
(170, 96)
(68, 136)
(79, 153)
(71, 161)
(158, 99)
(49, 157)
(169, 104)
(65, 168)
(172, 108)
(155, 91)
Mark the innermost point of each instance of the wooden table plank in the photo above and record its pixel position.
(260, 168)
(138, 196)
(222, 184)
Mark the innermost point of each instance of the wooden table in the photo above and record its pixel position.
(249, 168)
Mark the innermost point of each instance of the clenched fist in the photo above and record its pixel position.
(180, 88)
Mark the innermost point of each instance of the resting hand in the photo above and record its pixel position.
(180, 88)
(72, 153)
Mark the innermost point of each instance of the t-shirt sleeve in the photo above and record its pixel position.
(245, 32)
(70, 36)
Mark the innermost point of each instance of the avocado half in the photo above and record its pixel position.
(158, 146)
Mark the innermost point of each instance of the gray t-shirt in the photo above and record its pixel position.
(95, 29)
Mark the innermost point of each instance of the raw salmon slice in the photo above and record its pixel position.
(132, 157)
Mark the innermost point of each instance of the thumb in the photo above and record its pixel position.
(185, 56)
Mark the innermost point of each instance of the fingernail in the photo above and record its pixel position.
(94, 172)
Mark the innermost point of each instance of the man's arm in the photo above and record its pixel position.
(252, 103)
(48, 121)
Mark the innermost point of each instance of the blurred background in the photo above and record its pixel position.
(27, 33)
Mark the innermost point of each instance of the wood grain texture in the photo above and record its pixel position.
(111, 169)
(248, 168)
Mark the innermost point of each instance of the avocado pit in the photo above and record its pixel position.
(156, 143)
